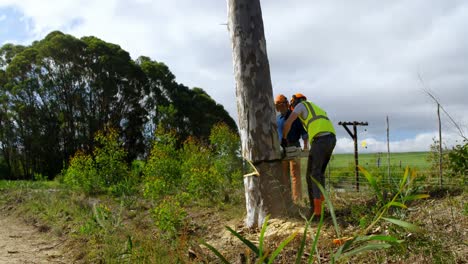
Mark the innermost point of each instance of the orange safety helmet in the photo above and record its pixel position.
(298, 96)
(295, 99)
(280, 99)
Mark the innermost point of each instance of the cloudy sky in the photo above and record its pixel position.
(359, 60)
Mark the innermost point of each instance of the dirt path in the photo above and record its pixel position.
(20, 243)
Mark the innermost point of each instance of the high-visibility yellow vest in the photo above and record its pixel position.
(316, 121)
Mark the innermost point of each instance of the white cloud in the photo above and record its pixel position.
(359, 60)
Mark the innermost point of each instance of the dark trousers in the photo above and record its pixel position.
(320, 153)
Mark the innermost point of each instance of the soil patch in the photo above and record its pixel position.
(22, 243)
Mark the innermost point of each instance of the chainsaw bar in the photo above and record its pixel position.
(293, 153)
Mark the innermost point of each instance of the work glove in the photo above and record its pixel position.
(284, 143)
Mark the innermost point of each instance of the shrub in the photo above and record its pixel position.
(433, 159)
(203, 171)
(169, 215)
(200, 178)
(105, 170)
(110, 156)
(457, 160)
(81, 173)
(162, 170)
(227, 160)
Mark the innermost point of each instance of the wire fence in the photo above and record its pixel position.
(340, 174)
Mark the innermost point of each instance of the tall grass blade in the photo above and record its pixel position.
(281, 246)
(262, 236)
(372, 181)
(330, 206)
(216, 252)
(379, 238)
(244, 240)
(397, 204)
(405, 177)
(389, 239)
(314, 245)
(404, 224)
(416, 197)
(300, 252)
(364, 248)
(342, 249)
(129, 244)
(413, 175)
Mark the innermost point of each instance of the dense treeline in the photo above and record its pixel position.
(58, 92)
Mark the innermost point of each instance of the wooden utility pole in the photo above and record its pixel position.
(354, 137)
(265, 190)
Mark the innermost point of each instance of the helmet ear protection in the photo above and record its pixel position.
(296, 98)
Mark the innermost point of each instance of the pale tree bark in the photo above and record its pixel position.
(266, 193)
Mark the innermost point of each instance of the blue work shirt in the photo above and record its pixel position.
(297, 130)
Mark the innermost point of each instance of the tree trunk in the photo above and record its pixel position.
(266, 193)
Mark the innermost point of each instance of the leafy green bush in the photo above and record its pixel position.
(81, 173)
(162, 171)
(105, 170)
(458, 160)
(169, 215)
(109, 156)
(136, 168)
(199, 176)
(434, 159)
(227, 160)
(203, 171)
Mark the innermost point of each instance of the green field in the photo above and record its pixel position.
(341, 169)
(415, 160)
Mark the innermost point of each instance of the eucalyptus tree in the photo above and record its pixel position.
(61, 76)
(23, 111)
(56, 93)
(7, 138)
(188, 112)
(116, 86)
(61, 90)
(265, 191)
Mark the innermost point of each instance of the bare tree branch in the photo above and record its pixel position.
(427, 91)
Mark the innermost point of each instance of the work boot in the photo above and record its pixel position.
(317, 207)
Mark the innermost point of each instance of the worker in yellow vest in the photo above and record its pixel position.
(291, 167)
(322, 141)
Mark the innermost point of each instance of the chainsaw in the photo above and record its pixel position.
(293, 152)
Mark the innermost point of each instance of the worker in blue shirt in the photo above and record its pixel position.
(297, 132)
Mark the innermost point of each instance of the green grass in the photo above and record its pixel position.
(106, 229)
(93, 225)
(340, 170)
(23, 184)
(416, 160)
